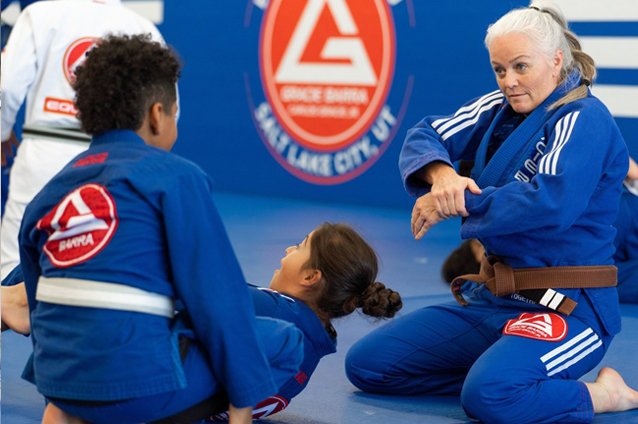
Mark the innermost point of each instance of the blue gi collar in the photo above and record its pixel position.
(323, 343)
(509, 154)
(117, 136)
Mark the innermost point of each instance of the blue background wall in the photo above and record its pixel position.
(439, 50)
(440, 62)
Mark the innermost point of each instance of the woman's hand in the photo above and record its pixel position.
(424, 215)
(448, 189)
(240, 415)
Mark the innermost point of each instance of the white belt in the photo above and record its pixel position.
(98, 294)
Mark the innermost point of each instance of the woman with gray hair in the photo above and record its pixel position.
(549, 163)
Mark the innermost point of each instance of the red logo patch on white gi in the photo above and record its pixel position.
(80, 226)
(75, 55)
(548, 327)
(64, 107)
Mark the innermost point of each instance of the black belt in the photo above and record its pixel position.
(55, 133)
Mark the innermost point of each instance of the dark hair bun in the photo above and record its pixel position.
(379, 301)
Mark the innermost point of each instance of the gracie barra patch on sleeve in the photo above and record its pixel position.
(549, 327)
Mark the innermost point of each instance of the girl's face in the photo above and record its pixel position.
(523, 73)
(293, 275)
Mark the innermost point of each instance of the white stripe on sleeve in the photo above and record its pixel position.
(461, 126)
(467, 115)
(465, 112)
(563, 131)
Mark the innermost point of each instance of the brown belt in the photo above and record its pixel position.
(502, 280)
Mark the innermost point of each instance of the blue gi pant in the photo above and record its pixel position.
(628, 281)
(281, 341)
(626, 256)
(450, 349)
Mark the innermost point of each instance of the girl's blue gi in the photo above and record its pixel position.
(550, 196)
(317, 342)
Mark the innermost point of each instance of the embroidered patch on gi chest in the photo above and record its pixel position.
(549, 327)
(80, 226)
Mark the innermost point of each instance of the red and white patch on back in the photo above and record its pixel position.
(549, 327)
(80, 226)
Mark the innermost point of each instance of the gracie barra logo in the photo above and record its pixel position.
(327, 68)
(80, 226)
(75, 55)
(549, 327)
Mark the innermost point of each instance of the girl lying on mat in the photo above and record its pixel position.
(330, 274)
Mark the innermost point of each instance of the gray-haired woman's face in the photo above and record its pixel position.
(523, 73)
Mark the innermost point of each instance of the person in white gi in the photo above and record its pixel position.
(49, 40)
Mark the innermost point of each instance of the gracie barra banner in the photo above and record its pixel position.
(312, 98)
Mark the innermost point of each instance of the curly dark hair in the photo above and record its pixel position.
(120, 80)
(349, 268)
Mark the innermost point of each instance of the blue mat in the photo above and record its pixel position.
(260, 229)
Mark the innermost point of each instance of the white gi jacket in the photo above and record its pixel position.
(50, 39)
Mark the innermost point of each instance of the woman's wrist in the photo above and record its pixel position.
(435, 171)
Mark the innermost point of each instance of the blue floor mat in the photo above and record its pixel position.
(260, 229)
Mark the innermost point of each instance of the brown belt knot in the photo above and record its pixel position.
(502, 280)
